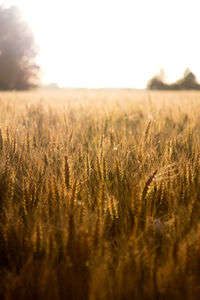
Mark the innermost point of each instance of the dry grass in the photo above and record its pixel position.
(99, 195)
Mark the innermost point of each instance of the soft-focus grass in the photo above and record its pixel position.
(99, 195)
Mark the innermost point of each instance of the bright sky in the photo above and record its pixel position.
(114, 43)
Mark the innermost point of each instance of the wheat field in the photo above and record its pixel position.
(99, 195)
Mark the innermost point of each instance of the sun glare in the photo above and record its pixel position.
(113, 43)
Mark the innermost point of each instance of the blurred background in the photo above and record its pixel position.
(97, 44)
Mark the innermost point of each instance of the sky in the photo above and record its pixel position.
(113, 43)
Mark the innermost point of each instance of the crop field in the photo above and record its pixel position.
(99, 195)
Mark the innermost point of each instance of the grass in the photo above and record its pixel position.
(100, 195)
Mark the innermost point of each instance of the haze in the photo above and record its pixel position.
(110, 43)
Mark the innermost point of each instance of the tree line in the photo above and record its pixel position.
(187, 82)
(19, 71)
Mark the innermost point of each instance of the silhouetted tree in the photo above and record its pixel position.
(17, 51)
(188, 82)
(157, 82)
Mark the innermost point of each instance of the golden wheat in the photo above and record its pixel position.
(99, 195)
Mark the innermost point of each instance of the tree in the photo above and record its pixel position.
(157, 82)
(187, 82)
(18, 69)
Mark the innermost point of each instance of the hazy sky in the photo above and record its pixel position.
(114, 43)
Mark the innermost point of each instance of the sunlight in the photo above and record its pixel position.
(113, 43)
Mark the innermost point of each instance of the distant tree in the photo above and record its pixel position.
(157, 82)
(18, 69)
(188, 82)
(52, 86)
